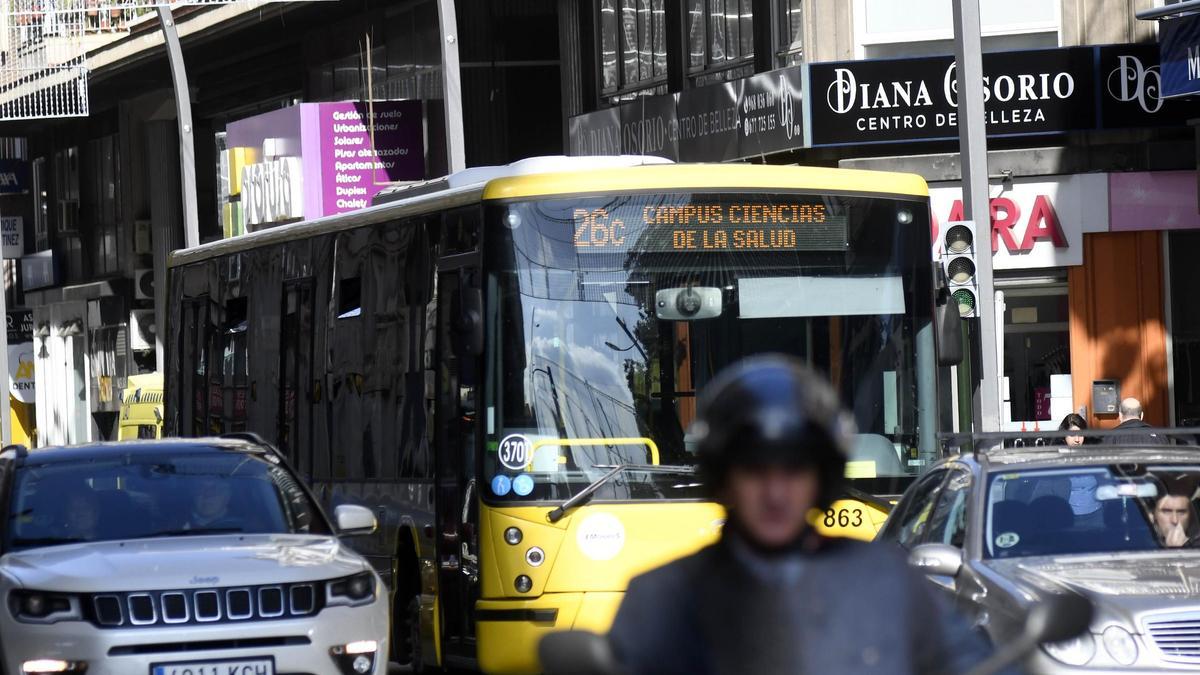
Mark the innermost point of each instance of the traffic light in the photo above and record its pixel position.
(958, 255)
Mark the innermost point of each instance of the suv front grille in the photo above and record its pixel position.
(206, 605)
(1177, 636)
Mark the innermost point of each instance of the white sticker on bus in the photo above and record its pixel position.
(601, 536)
(514, 452)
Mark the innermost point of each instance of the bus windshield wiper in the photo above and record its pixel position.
(586, 493)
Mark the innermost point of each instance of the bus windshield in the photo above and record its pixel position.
(608, 315)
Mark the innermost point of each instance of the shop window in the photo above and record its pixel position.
(721, 39)
(1184, 283)
(1037, 353)
(41, 206)
(633, 51)
(66, 189)
(791, 32)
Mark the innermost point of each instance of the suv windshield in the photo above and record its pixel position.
(149, 494)
(1095, 509)
(608, 315)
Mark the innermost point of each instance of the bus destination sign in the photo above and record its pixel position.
(713, 228)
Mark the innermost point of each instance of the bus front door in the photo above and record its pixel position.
(457, 499)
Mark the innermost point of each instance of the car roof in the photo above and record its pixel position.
(1048, 457)
(67, 453)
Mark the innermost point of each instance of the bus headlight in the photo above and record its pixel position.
(512, 536)
(523, 584)
(1076, 652)
(1120, 645)
(535, 556)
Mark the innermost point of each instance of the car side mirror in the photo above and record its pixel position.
(577, 652)
(947, 321)
(352, 520)
(937, 559)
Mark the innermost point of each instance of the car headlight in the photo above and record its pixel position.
(1076, 652)
(355, 590)
(43, 607)
(1120, 645)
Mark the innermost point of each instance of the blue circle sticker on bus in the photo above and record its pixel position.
(523, 484)
(501, 485)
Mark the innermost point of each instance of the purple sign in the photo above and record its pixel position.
(1152, 200)
(359, 159)
(345, 160)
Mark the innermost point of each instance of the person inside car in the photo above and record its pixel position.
(1173, 520)
(210, 504)
(81, 517)
(773, 595)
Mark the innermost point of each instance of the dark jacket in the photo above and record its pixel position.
(852, 607)
(1134, 435)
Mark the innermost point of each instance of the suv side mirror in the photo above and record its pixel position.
(937, 559)
(352, 519)
(947, 329)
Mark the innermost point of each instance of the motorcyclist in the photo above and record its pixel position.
(773, 595)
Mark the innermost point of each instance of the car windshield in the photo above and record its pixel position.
(136, 495)
(1092, 509)
(609, 315)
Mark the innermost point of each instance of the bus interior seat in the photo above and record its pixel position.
(877, 449)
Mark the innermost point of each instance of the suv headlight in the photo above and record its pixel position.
(1120, 645)
(1076, 652)
(358, 589)
(43, 607)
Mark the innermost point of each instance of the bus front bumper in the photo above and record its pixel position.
(508, 631)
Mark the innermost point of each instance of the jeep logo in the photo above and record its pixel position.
(204, 581)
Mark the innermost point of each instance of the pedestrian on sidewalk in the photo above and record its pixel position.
(1132, 425)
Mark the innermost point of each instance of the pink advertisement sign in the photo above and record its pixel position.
(1153, 200)
(359, 159)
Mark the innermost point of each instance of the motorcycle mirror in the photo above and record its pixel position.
(1059, 617)
(1056, 618)
(577, 652)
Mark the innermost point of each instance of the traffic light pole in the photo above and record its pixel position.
(972, 139)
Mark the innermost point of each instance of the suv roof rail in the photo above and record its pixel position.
(20, 449)
(250, 437)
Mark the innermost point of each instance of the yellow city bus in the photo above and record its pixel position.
(504, 365)
(141, 414)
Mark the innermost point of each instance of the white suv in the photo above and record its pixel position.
(192, 557)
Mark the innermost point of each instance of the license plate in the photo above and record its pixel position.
(263, 666)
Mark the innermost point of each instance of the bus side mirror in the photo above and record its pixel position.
(470, 321)
(947, 321)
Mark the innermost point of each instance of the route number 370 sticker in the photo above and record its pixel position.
(843, 518)
(514, 452)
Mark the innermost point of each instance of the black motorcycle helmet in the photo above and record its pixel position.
(772, 410)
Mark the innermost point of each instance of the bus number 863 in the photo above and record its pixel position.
(843, 517)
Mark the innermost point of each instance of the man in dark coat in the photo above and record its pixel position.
(774, 596)
(1131, 424)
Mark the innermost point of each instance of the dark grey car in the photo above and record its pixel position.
(998, 530)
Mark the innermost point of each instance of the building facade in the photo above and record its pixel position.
(102, 205)
(1093, 194)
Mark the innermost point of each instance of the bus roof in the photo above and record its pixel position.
(549, 176)
(707, 177)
